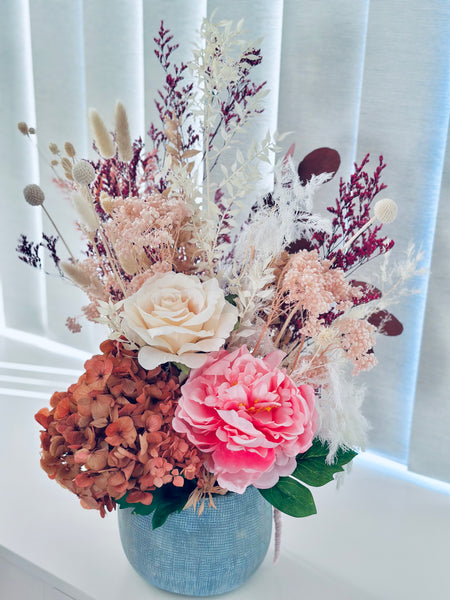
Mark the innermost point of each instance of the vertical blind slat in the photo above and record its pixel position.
(58, 71)
(404, 116)
(321, 77)
(23, 287)
(429, 452)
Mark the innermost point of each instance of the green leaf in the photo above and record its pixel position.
(169, 499)
(183, 368)
(291, 497)
(231, 298)
(312, 467)
(166, 500)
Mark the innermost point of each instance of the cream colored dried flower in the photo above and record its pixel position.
(53, 148)
(69, 149)
(385, 210)
(22, 127)
(102, 137)
(83, 172)
(123, 139)
(34, 195)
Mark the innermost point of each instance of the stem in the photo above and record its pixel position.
(357, 234)
(58, 232)
(85, 189)
(285, 326)
(297, 356)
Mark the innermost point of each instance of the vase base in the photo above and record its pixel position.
(204, 555)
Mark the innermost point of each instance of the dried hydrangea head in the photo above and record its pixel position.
(385, 210)
(33, 194)
(83, 172)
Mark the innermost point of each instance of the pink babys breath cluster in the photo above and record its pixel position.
(313, 286)
(144, 230)
(357, 340)
(248, 418)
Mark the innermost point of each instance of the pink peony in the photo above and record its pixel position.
(248, 416)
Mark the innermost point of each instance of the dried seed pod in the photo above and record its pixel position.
(34, 195)
(69, 149)
(123, 139)
(102, 137)
(83, 172)
(22, 127)
(53, 148)
(31, 130)
(54, 163)
(66, 164)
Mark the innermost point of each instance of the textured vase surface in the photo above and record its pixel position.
(200, 555)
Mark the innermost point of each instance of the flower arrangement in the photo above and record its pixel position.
(236, 326)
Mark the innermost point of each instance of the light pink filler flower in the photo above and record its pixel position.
(248, 416)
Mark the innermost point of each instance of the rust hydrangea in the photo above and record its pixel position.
(110, 433)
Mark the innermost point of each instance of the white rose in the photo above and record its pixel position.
(176, 317)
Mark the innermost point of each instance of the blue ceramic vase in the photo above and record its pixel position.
(200, 555)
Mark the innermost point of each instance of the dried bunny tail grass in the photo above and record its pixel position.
(82, 279)
(66, 164)
(85, 210)
(102, 137)
(76, 273)
(107, 203)
(69, 149)
(123, 139)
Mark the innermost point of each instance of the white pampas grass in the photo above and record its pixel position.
(102, 137)
(341, 422)
(274, 223)
(123, 139)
